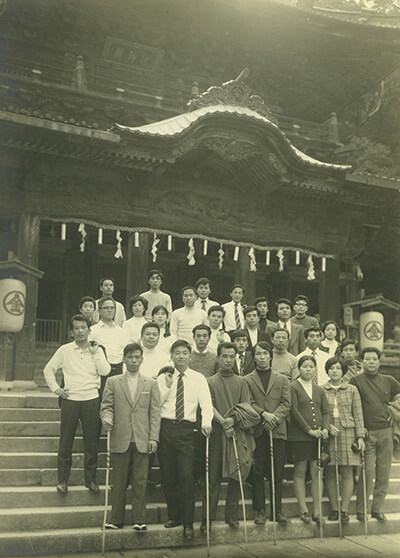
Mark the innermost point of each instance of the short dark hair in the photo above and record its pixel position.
(237, 286)
(86, 299)
(158, 308)
(106, 279)
(279, 329)
(226, 345)
(284, 301)
(202, 326)
(329, 322)
(166, 370)
(104, 299)
(370, 350)
(308, 330)
(131, 347)
(347, 342)
(138, 298)
(155, 272)
(239, 333)
(186, 288)
(250, 309)
(334, 360)
(302, 297)
(260, 299)
(78, 318)
(180, 343)
(203, 281)
(262, 345)
(216, 308)
(148, 325)
(304, 358)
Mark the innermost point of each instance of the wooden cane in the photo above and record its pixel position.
(208, 494)
(319, 488)
(338, 488)
(365, 493)
(271, 445)
(103, 540)
(241, 488)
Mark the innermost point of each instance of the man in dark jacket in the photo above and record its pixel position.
(270, 395)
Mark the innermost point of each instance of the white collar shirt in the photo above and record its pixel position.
(113, 338)
(195, 393)
(286, 325)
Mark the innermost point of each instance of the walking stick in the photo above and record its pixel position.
(241, 488)
(319, 488)
(271, 445)
(338, 488)
(365, 493)
(208, 495)
(103, 540)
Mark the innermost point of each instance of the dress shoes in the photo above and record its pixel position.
(234, 523)
(172, 523)
(333, 515)
(260, 518)
(93, 487)
(139, 527)
(281, 519)
(379, 516)
(188, 533)
(203, 526)
(62, 488)
(344, 517)
(360, 516)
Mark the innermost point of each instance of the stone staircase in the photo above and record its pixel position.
(36, 521)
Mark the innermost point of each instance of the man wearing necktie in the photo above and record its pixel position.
(182, 392)
(296, 332)
(234, 318)
(313, 337)
(203, 291)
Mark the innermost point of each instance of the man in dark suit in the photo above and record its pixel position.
(244, 363)
(270, 395)
(130, 409)
(252, 326)
(261, 303)
(297, 342)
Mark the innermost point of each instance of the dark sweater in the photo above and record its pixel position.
(305, 413)
(376, 391)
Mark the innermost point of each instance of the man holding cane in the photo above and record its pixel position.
(270, 394)
(130, 409)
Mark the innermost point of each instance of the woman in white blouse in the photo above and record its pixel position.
(160, 316)
(329, 344)
(133, 327)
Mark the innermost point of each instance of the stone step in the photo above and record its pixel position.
(47, 496)
(23, 414)
(40, 444)
(71, 517)
(88, 540)
(24, 428)
(36, 400)
(37, 460)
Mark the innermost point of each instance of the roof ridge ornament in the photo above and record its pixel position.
(233, 92)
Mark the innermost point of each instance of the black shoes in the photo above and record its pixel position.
(62, 488)
(333, 515)
(344, 517)
(188, 533)
(203, 526)
(172, 523)
(379, 516)
(234, 523)
(281, 519)
(93, 487)
(139, 527)
(260, 518)
(360, 516)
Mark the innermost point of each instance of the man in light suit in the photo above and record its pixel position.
(297, 342)
(270, 394)
(130, 409)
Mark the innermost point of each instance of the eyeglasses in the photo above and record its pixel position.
(301, 304)
(107, 308)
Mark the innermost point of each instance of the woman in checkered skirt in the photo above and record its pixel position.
(347, 426)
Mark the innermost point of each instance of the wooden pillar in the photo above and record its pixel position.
(28, 252)
(245, 277)
(138, 266)
(329, 292)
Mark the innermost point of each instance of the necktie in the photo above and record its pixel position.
(237, 319)
(179, 404)
(285, 326)
(241, 359)
(314, 378)
(203, 305)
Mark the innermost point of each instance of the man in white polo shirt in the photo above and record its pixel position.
(112, 337)
(82, 364)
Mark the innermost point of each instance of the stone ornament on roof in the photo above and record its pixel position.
(234, 92)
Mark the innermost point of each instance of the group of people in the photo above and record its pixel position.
(165, 381)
